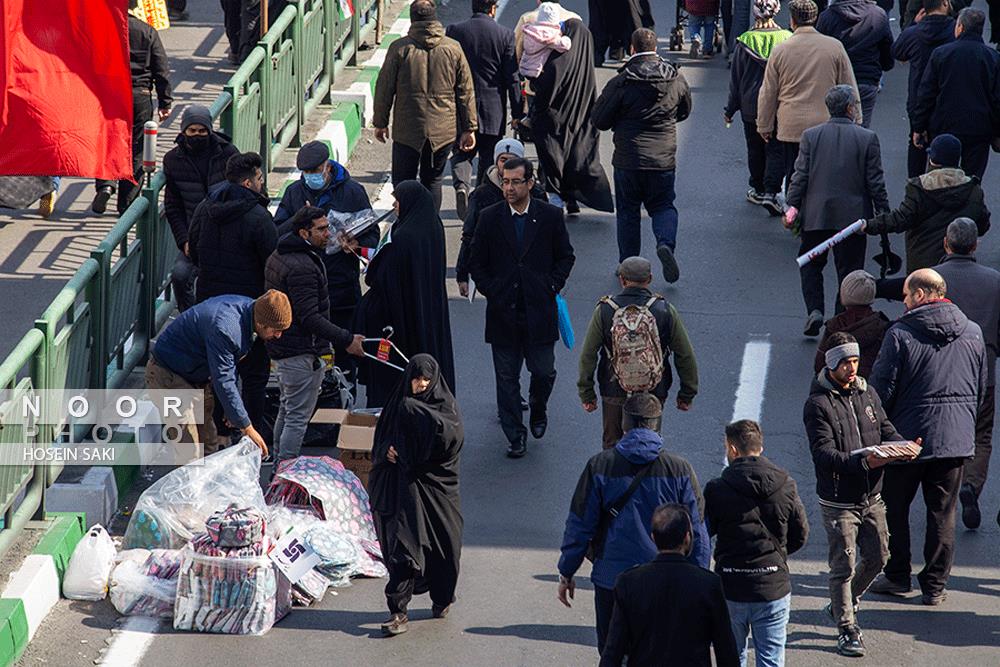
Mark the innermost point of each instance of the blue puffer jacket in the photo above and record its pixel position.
(931, 376)
(606, 477)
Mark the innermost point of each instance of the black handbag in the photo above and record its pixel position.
(595, 549)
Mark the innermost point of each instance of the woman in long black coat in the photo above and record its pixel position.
(407, 291)
(565, 138)
(414, 491)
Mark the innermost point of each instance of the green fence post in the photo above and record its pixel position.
(146, 232)
(300, 101)
(352, 59)
(98, 298)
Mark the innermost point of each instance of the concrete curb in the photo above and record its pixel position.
(34, 588)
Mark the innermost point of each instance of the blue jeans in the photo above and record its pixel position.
(698, 24)
(654, 189)
(767, 622)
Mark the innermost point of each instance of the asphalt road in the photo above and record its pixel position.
(739, 284)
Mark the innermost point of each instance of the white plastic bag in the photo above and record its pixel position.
(176, 506)
(141, 587)
(90, 566)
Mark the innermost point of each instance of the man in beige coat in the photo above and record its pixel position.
(791, 100)
(426, 78)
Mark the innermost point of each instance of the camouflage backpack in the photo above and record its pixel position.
(636, 355)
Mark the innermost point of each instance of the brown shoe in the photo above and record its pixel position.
(440, 612)
(396, 625)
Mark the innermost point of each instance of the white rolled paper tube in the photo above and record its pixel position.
(149, 134)
(845, 233)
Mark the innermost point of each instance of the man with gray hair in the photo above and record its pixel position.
(975, 289)
(960, 93)
(838, 179)
(932, 351)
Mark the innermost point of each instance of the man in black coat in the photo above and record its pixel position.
(327, 185)
(191, 168)
(296, 269)
(521, 258)
(931, 375)
(960, 93)
(670, 611)
(643, 104)
(754, 510)
(914, 46)
(230, 239)
(863, 28)
(838, 178)
(842, 416)
(149, 69)
(489, 48)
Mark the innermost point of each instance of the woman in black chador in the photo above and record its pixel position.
(414, 491)
(407, 291)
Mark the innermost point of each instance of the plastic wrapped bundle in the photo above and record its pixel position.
(146, 586)
(177, 505)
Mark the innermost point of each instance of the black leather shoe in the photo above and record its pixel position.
(100, 203)
(518, 448)
(538, 423)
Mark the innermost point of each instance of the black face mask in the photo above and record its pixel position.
(196, 144)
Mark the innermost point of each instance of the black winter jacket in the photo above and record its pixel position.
(643, 104)
(915, 44)
(345, 195)
(187, 185)
(750, 55)
(960, 91)
(750, 494)
(231, 237)
(930, 203)
(486, 194)
(839, 421)
(148, 64)
(863, 28)
(931, 375)
(296, 269)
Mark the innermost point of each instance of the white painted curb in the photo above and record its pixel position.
(36, 583)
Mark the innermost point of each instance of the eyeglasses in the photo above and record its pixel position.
(514, 181)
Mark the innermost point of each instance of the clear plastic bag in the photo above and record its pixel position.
(90, 566)
(177, 505)
(347, 224)
(137, 591)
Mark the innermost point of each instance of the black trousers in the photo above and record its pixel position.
(916, 158)
(977, 468)
(182, 278)
(142, 110)
(756, 155)
(461, 161)
(781, 157)
(232, 10)
(254, 371)
(407, 162)
(604, 605)
(975, 155)
(939, 479)
(994, 11)
(507, 362)
(848, 255)
(440, 577)
(348, 364)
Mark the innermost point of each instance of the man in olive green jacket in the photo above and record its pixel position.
(635, 275)
(426, 79)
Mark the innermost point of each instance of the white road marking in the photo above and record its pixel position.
(500, 7)
(130, 642)
(749, 401)
(383, 202)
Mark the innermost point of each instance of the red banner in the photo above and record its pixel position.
(65, 89)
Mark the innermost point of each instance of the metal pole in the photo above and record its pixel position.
(150, 133)
(263, 18)
(378, 22)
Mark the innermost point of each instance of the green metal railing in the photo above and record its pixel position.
(99, 327)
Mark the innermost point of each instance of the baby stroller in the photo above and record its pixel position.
(680, 27)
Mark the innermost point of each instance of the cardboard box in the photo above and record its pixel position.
(355, 438)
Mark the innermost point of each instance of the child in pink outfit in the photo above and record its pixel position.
(542, 38)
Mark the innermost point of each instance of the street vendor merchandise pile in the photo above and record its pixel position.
(200, 546)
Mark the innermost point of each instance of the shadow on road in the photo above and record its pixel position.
(564, 634)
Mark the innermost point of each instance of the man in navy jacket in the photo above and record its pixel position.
(626, 537)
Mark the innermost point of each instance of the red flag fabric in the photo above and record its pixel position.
(65, 89)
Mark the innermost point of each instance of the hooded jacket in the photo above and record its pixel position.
(427, 83)
(960, 91)
(930, 203)
(750, 494)
(914, 46)
(866, 325)
(189, 177)
(344, 194)
(628, 543)
(931, 376)
(839, 422)
(863, 28)
(230, 239)
(296, 269)
(643, 104)
(750, 55)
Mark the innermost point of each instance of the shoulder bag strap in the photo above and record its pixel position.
(615, 508)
